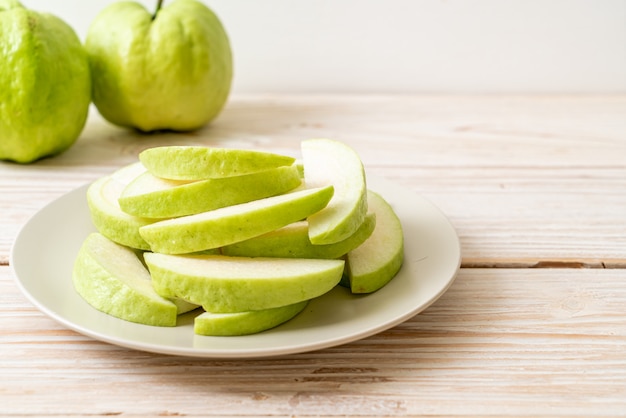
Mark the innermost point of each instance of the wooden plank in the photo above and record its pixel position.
(520, 217)
(505, 342)
(525, 229)
(532, 178)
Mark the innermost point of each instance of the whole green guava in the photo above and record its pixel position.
(171, 70)
(45, 84)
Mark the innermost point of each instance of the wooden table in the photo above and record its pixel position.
(534, 325)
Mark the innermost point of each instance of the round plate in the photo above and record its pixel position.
(43, 255)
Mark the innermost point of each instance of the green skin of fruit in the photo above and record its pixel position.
(231, 224)
(112, 279)
(245, 323)
(200, 163)
(45, 84)
(172, 72)
(152, 197)
(375, 262)
(107, 216)
(240, 284)
(332, 162)
(293, 241)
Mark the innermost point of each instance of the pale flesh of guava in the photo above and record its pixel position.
(201, 163)
(245, 323)
(107, 216)
(293, 241)
(231, 224)
(149, 196)
(332, 162)
(111, 278)
(238, 284)
(374, 263)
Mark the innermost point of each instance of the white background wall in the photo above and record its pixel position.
(413, 46)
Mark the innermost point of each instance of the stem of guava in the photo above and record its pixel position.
(158, 7)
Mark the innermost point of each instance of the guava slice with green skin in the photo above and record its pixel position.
(245, 323)
(152, 197)
(112, 279)
(201, 163)
(374, 263)
(169, 71)
(239, 284)
(293, 241)
(107, 216)
(231, 224)
(45, 84)
(332, 162)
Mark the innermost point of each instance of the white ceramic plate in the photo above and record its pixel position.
(43, 254)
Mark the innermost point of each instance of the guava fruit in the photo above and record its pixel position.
(45, 84)
(168, 70)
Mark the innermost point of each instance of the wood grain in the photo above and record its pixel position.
(530, 179)
(509, 342)
(534, 325)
